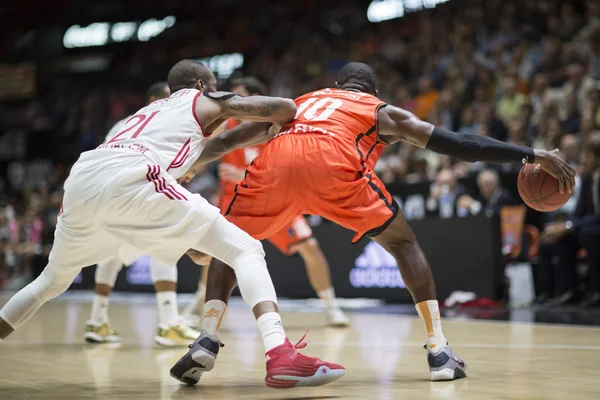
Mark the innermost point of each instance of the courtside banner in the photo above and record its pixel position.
(464, 253)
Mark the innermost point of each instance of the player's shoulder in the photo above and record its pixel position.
(336, 93)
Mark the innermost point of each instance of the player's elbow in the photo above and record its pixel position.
(287, 110)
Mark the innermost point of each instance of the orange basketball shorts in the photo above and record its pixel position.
(310, 174)
(295, 232)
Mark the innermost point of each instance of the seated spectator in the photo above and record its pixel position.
(445, 112)
(418, 171)
(468, 125)
(581, 230)
(587, 125)
(509, 104)
(495, 127)
(426, 99)
(443, 195)
(492, 196)
(569, 148)
(550, 139)
(571, 115)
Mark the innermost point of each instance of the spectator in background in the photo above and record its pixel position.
(569, 148)
(468, 125)
(550, 139)
(581, 230)
(571, 114)
(578, 84)
(403, 99)
(445, 111)
(492, 196)
(548, 250)
(510, 102)
(426, 99)
(418, 171)
(587, 125)
(495, 127)
(443, 195)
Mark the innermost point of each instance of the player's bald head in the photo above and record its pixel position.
(359, 76)
(190, 74)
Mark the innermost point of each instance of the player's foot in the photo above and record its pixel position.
(199, 359)
(445, 365)
(177, 335)
(287, 368)
(100, 333)
(336, 317)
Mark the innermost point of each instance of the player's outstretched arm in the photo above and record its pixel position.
(396, 124)
(244, 135)
(212, 108)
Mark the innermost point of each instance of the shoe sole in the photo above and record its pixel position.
(170, 342)
(91, 337)
(285, 379)
(339, 324)
(447, 374)
(197, 363)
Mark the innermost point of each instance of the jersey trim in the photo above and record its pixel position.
(393, 207)
(360, 153)
(181, 156)
(196, 117)
(160, 184)
(379, 107)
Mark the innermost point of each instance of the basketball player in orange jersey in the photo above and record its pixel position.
(322, 163)
(294, 238)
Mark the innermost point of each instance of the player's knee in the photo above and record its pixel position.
(50, 284)
(248, 250)
(106, 272)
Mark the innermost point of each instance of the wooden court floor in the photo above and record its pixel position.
(383, 354)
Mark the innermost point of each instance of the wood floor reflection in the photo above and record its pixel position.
(46, 359)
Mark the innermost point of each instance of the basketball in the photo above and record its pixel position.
(539, 190)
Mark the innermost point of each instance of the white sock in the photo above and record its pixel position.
(99, 309)
(213, 316)
(168, 314)
(271, 330)
(429, 313)
(328, 298)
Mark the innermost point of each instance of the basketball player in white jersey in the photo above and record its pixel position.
(171, 331)
(125, 192)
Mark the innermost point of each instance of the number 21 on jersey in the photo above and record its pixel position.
(138, 121)
(315, 109)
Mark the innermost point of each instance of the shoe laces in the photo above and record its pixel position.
(301, 344)
(221, 345)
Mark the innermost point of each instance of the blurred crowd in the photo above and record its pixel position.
(526, 72)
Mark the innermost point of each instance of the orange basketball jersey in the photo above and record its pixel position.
(348, 117)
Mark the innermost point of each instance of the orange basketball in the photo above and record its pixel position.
(539, 190)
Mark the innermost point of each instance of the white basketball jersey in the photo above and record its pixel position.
(166, 131)
(115, 129)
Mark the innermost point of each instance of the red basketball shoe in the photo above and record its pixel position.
(287, 368)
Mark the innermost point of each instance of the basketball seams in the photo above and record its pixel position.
(536, 200)
(531, 188)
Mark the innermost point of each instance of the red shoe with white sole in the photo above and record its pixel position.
(287, 368)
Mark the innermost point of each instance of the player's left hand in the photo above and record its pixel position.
(230, 173)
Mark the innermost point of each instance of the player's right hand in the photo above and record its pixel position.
(551, 162)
